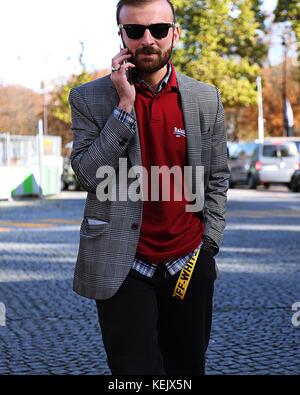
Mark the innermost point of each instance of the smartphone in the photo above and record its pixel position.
(129, 71)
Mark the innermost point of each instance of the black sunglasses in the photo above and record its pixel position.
(157, 30)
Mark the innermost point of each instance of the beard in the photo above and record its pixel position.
(151, 64)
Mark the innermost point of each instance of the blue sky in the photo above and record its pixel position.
(40, 39)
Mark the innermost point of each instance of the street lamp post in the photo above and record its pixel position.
(40, 146)
(284, 83)
(288, 120)
(45, 107)
(261, 133)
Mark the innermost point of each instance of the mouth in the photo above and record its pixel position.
(147, 51)
(148, 54)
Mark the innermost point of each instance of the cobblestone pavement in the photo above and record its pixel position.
(51, 330)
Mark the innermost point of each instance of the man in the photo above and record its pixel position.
(149, 264)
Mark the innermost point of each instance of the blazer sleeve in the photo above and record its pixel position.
(93, 147)
(218, 182)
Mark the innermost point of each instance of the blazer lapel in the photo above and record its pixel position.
(190, 108)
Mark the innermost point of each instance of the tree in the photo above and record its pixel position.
(273, 105)
(59, 120)
(245, 118)
(289, 11)
(59, 105)
(59, 101)
(222, 44)
(20, 109)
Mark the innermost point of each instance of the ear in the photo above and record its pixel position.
(176, 38)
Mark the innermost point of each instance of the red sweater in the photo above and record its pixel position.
(167, 230)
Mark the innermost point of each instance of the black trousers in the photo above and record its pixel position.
(146, 331)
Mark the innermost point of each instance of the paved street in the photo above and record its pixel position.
(51, 330)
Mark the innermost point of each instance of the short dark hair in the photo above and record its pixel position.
(138, 3)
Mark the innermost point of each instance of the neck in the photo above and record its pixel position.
(154, 79)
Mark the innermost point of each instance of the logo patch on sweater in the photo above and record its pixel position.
(179, 132)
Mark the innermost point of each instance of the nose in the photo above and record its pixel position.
(147, 38)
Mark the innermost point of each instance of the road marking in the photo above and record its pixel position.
(297, 208)
(4, 229)
(62, 221)
(24, 224)
(263, 213)
(264, 227)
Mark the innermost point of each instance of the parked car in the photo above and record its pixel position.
(273, 162)
(69, 180)
(295, 140)
(239, 160)
(295, 183)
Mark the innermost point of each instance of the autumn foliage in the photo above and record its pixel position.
(244, 119)
(20, 110)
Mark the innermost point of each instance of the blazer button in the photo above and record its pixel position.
(134, 226)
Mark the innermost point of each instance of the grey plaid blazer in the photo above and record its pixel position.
(107, 249)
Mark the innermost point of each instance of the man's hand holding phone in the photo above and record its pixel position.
(125, 89)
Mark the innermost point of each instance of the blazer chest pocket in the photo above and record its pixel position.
(206, 132)
(92, 227)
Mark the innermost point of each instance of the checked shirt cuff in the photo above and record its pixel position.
(124, 117)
